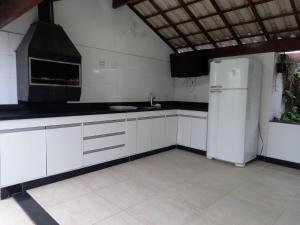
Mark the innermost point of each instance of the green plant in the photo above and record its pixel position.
(290, 93)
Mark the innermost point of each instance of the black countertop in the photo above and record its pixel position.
(30, 111)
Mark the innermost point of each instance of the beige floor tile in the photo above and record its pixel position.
(291, 216)
(128, 193)
(122, 218)
(101, 178)
(86, 210)
(269, 197)
(60, 192)
(235, 211)
(176, 188)
(162, 211)
(12, 214)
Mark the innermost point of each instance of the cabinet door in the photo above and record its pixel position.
(144, 135)
(131, 132)
(199, 133)
(158, 138)
(184, 131)
(23, 156)
(64, 148)
(171, 130)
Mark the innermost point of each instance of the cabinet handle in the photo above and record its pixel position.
(104, 135)
(7, 131)
(103, 122)
(63, 126)
(195, 117)
(103, 149)
(173, 115)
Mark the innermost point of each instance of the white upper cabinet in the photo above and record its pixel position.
(64, 148)
(23, 155)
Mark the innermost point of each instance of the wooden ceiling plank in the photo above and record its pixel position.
(196, 21)
(166, 17)
(152, 28)
(12, 9)
(259, 20)
(293, 4)
(221, 14)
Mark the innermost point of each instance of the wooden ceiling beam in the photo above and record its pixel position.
(254, 48)
(224, 19)
(196, 21)
(260, 22)
(12, 9)
(119, 3)
(157, 7)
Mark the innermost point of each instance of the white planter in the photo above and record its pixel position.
(284, 142)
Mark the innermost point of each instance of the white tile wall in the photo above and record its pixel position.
(8, 82)
(136, 60)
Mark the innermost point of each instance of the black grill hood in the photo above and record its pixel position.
(46, 41)
(49, 41)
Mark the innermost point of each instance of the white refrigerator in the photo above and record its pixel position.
(233, 116)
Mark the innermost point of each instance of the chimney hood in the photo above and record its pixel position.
(48, 63)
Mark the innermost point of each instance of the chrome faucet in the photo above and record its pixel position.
(152, 98)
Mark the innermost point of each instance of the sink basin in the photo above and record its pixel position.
(122, 107)
(150, 107)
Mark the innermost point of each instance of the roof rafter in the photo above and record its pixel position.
(221, 14)
(12, 9)
(166, 17)
(196, 21)
(152, 28)
(261, 24)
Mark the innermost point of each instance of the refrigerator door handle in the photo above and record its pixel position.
(216, 86)
(215, 91)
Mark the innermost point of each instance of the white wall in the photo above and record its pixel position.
(123, 60)
(10, 37)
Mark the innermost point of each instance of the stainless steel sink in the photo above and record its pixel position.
(123, 107)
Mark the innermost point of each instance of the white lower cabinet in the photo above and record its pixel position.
(23, 155)
(184, 131)
(171, 130)
(144, 135)
(64, 148)
(47, 149)
(131, 137)
(199, 133)
(158, 139)
(192, 130)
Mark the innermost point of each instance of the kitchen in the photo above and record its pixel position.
(53, 154)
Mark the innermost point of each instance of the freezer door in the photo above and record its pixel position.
(227, 121)
(229, 74)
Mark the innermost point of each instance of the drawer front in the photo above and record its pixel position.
(103, 155)
(103, 127)
(103, 142)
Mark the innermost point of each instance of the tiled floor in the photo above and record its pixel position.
(176, 188)
(12, 214)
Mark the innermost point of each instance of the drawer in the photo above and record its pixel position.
(104, 155)
(103, 142)
(103, 127)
